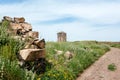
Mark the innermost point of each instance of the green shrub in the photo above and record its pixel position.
(54, 74)
(9, 47)
(4, 38)
(11, 71)
(112, 67)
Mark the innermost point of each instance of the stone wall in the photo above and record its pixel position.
(18, 27)
(21, 30)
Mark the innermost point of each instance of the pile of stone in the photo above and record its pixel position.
(34, 48)
(20, 29)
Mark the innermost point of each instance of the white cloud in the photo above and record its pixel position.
(103, 12)
(47, 10)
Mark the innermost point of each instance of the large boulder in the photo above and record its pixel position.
(19, 20)
(21, 32)
(26, 26)
(68, 55)
(32, 54)
(7, 18)
(15, 26)
(33, 47)
(39, 43)
(30, 46)
(30, 34)
(33, 34)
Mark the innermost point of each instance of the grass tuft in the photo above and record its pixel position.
(112, 67)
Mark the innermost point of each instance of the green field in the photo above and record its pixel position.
(58, 67)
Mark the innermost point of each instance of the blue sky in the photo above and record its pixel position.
(80, 19)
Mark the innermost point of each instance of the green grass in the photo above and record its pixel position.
(112, 67)
(112, 44)
(9, 47)
(9, 70)
(115, 45)
(85, 53)
(58, 68)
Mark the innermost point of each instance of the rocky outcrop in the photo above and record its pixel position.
(34, 48)
(19, 29)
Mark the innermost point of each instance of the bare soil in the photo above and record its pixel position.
(99, 70)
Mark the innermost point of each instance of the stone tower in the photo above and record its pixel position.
(62, 37)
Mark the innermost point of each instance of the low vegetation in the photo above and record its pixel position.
(9, 69)
(112, 44)
(117, 45)
(112, 67)
(59, 68)
(8, 46)
(85, 53)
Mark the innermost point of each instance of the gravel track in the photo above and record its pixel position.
(99, 70)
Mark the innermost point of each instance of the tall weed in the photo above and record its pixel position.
(9, 47)
(9, 70)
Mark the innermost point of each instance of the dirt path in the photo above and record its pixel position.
(99, 70)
